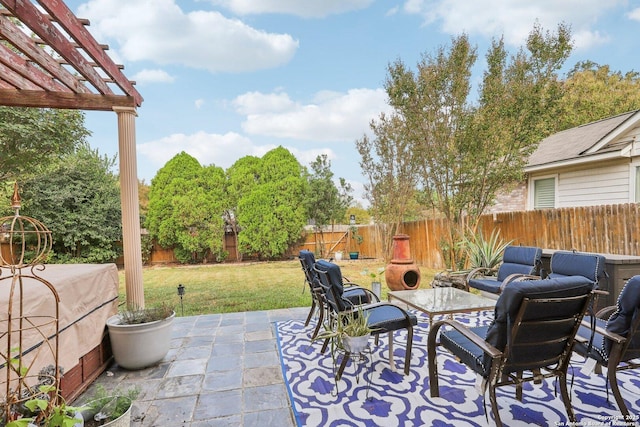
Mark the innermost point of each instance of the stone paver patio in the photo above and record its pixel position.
(222, 370)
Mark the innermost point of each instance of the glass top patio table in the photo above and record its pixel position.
(445, 300)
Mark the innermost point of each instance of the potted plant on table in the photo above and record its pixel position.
(141, 337)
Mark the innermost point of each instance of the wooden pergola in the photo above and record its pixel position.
(48, 59)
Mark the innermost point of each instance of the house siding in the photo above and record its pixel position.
(606, 184)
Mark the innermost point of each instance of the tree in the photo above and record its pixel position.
(197, 217)
(186, 202)
(31, 137)
(242, 176)
(391, 168)
(518, 107)
(143, 199)
(272, 214)
(465, 152)
(78, 199)
(325, 203)
(594, 92)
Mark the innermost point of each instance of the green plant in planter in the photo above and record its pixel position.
(376, 276)
(40, 405)
(106, 406)
(141, 337)
(136, 315)
(352, 323)
(354, 253)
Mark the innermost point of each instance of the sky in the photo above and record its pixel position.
(223, 79)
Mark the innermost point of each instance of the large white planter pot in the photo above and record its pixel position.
(139, 346)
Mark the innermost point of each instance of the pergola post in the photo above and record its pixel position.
(130, 206)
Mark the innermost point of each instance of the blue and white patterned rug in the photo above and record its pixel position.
(393, 399)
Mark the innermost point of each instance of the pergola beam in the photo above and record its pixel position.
(67, 20)
(28, 47)
(67, 100)
(63, 66)
(25, 68)
(48, 32)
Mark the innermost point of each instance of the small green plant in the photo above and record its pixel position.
(484, 253)
(105, 406)
(136, 315)
(354, 323)
(376, 276)
(40, 405)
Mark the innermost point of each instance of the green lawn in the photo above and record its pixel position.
(251, 286)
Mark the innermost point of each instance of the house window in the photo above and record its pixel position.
(544, 193)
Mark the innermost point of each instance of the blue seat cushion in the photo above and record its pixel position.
(465, 350)
(528, 255)
(385, 317)
(334, 276)
(507, 269)
(515, 260)
(626, 314)
(486, 284)
(357, 296)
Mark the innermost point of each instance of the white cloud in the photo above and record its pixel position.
(160, 31)
(514, 19)
(220, 150)
(634, 14)
(331, 116)
(585, 39)
(199, 103)
(306, 9)
(153, 76)
(256, 102)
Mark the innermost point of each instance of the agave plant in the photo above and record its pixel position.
(483, 252)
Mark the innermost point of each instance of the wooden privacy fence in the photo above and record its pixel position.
(610, 229)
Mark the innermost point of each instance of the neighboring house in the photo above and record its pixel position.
(593, 164)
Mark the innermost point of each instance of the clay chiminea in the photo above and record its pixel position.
(402, 273)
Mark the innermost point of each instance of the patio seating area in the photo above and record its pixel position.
(226, 370)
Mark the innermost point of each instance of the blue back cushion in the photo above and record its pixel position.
(308, 260)
(308, 257)
(334, 276)
(625, 317)
(519, 260)
(511, 298)
(564, 263)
